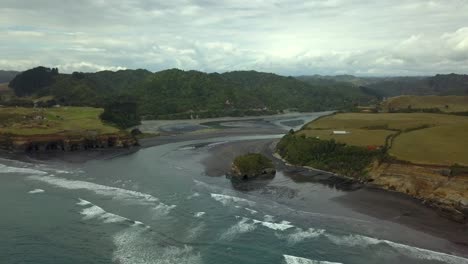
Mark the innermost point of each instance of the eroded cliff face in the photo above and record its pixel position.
(64, 142)
(432, 184)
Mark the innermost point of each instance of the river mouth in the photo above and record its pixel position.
(161, 205)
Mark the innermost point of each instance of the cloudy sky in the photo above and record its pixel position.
(295, 37)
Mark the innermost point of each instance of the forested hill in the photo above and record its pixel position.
(440, 84)
(179, 94)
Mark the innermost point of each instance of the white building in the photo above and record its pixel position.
(340, 132)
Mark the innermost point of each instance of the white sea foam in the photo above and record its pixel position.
(62, 172)
(227, 199)
(199, 214)
(96, 212)
(135, 245)
(275, 226)
(8, 169)
(216, 144)
(269, 218)
(138, 223)
(187, 148)
(251, 210)
(415, 252)
(195, 194)
(108, 191)
(301, 235)
(163, 209)
(297, 260)
(36, 191)
(193, 233)
(243, 226)
(83, 202)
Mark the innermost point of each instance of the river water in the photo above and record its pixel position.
(158, 206)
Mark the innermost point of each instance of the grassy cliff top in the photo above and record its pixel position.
(422, 138)
(443, 103)
(44, 121)
(252, 163)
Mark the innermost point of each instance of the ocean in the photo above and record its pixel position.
(158, 206)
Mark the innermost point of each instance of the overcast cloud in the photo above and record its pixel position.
(398, 37)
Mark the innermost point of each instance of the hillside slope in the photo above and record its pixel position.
(180, 94)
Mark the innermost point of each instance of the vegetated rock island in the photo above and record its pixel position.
(252, 166)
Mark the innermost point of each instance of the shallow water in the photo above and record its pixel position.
(158, 206)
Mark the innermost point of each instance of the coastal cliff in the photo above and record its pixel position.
(59, 129)
(65, 142)
(433, 185)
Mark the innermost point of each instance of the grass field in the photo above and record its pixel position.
(425, 138)
(443, 103)
(33, 121)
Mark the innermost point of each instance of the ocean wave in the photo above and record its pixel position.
(199, 214)
(283, 225)
(243, 226)
(298, 260)
(211, 145)
(247, 224)
(96, 212)
(195, 194)
(227, 199)
(135, 245)
(410, 251)
(163, 209)
(36, 191)
(251, 210)
(187, 148)
(108, 191)
(365, 241)
(269, 218)
(194, 232)
(301, 235)
(8, 169)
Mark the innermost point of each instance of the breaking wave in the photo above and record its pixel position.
(227, 199)
(301, 235)
(297, 260)
(243, 226)
(199, 214)
(419, 253)
(113, 192)
(95, 212)
(135, 245)
(283, 225)
(36, 191)
(8, 169)
(365, 241)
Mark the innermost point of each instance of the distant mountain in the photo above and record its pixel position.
(7, 76)
(337, 78)
(441, 84)
(179, 94)
(449, 84)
